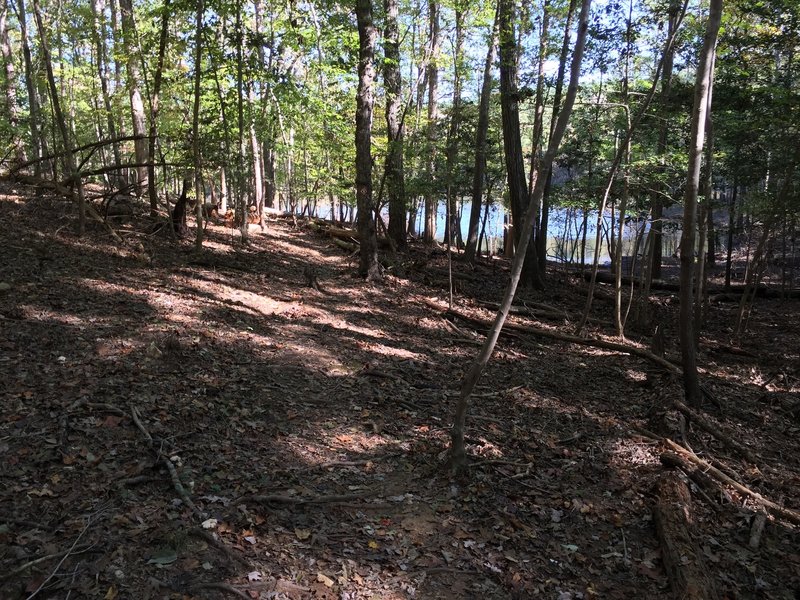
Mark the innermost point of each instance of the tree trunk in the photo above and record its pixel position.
(431, 197)
(512, 143)
(12, 109)
(134, 91)
(618, 158)
(544, 218)
(395, 180)
(457, 450)
(38, 142)
(658, 196)
(154, 107)
(66, 137)
(686, 325)
(481, 132)
(99, 35)
(198, 173)
(368, 265)
(452, 224)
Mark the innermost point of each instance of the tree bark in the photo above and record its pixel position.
(134, 91)
(61, 121)
(481, 132)
(686, 324)
(544, 217)
(687, 573)
(12, 108)
(395, 180)
(452, 225)
(368, 264)
(431, 198)
(457, 449)
(512, 142)
(38, 143)
(99, 35)
(198, 172)
(154, 108)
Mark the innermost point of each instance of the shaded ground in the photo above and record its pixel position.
(309, 428)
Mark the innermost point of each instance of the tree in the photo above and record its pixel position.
(481, 131)
(431, 199)
(512, 141)
(457, 449)
(395, 179)
(686, 325)
(9, 83)
(138, 119)
(368, 264)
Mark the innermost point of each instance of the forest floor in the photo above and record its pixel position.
(298, 437)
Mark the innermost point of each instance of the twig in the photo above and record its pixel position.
(276, 499)
(138, 421)
(223, 587)
(212, 540)
(176, 483)
(63, 558)
(436, 570)
(41, 559)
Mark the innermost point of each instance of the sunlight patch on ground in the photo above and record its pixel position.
(624, 452)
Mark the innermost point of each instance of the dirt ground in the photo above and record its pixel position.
(183, 426)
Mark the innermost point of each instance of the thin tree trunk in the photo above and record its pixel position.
(12, 108)
(198, 173)
(452, 227)
(368, 265)
(731, 228)
(512, 144)
(481, 132)
(99, 35)
(154, 108)
(657, 220)
(620, 154)
(431, 197)
(457, 450)
(544, 211)
(686, 325)
(38, 143)
(134, 90)
(66, 137)
(395, 180)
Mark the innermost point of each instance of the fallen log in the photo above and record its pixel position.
(704, 423)
(683, 561)
(771, 507)
(717, 293)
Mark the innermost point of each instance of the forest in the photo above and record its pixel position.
(399, 299)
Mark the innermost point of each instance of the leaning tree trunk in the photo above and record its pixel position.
(686, 325)
(481, 131)
(457, 450)
(395, 181)
(512, 143)
(368, 265)
(134, 90)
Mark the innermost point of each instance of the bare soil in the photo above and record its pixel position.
(308, 429)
